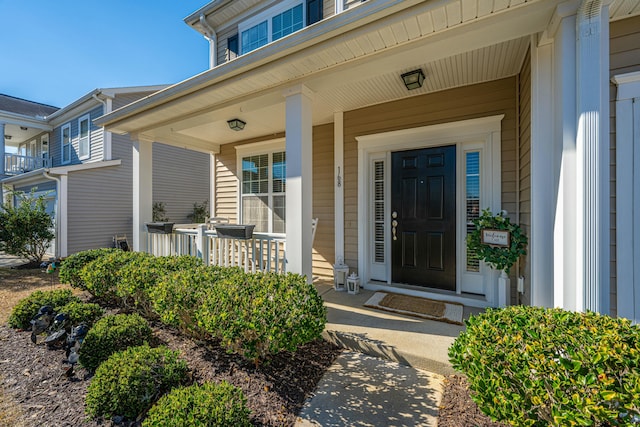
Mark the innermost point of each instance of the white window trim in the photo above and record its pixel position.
(63, 145)
(266, 16)
(470, 134)
(256, 149)
(86, 117)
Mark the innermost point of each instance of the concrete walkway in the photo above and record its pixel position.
(8, 261)
(392, 371)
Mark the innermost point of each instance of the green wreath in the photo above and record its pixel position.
(500, 258)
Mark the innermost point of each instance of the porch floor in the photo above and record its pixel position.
(411, 341)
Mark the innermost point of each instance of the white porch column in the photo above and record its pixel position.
(592, 149)
(2, 161)
(63, 215)
(628, 191)
(212, 184)
(2, 150)
(142, 191)
(544, 176)
(299, 135)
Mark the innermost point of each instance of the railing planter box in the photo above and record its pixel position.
(160, 227)
(235, 231)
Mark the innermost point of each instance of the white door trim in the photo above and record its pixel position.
(484, 133)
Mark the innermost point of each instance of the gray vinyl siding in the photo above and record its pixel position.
(96, 140)
(624, 57)
(127, 98)
(99, 206)
(180, 179)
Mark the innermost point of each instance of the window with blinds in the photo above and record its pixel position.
(472, 201)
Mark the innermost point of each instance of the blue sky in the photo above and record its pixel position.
(55, 51)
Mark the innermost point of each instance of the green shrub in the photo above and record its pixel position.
(101, 276)
(177, 297)
(221, 405)
(82, 312)
(111, 334)
(531, 366)
(143, 274)
(28, 307)
(26, 229)
(263, 314)
(129, 382)
(72, 265)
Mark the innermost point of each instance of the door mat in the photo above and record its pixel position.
(449, 312)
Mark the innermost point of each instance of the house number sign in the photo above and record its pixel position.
(499, 238)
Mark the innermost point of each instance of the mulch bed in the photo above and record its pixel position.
(457, 409)
(33, 375)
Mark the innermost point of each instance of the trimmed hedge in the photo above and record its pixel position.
(82, 312)
(72, 265)
(531, 366)
(129, 382)
(111, 334)
(177, 297)
(263, 314)
(143, 273)
(209, 404)
(28, 307)
(102, 275)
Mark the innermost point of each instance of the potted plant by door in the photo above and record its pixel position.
(499, 243)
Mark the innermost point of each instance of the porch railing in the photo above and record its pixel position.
(16, 164)
(264, 252)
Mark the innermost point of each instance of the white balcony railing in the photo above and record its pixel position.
(263, 252)
(16, 164)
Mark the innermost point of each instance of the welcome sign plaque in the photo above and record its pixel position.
(498, 238)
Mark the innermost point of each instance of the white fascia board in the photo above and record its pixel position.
(9, 118)
(63, 170)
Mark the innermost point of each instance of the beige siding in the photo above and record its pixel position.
(180, 179)
(329, 9)
(524, 102)
(624, 50)
(496, 97)
(323, 202)
(99, 207)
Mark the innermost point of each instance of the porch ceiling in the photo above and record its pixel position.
(349, 61)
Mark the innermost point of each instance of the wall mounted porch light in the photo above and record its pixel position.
(413, 79)
(236, 124)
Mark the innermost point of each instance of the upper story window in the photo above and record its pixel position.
(84, 137)
(65, 137)
(271, 25)
(44, 147)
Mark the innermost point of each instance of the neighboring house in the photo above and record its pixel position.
(511, 107)
(86, 173)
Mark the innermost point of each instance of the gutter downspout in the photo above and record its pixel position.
(212, 38)
(45, 173)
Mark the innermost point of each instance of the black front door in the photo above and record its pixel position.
(423, 223)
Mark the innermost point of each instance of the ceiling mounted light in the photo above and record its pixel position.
(413, 79)
(8, 137)
(236, 124)
(23, 128)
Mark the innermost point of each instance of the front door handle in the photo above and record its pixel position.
(394, 224)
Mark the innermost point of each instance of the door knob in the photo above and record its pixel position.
(394, 224)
